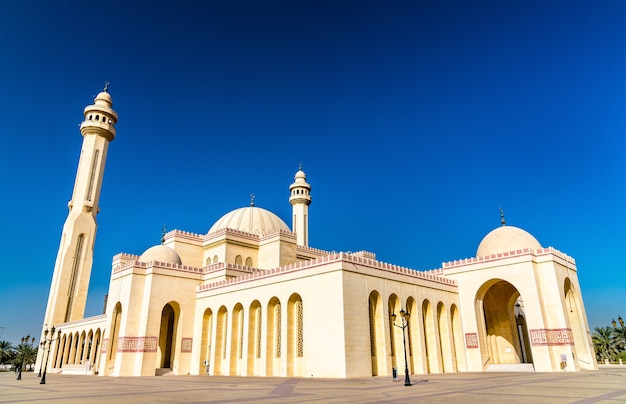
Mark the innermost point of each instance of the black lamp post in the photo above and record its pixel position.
(405, 323)
(621, 321)
(48, 342)
(23, 347)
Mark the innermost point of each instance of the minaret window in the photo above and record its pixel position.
(93, 174)
(97, 117)
(71, 289)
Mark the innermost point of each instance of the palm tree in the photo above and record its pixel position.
(6, 351)
(619, 334)
(605, 343)
(26, 353)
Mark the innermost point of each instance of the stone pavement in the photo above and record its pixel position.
(602, 386)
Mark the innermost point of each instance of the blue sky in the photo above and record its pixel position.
(414, 121)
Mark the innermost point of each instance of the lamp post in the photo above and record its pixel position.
(48, 342)
(25, 341)
(405, 323)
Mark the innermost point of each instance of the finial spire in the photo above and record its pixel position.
(300, 167)
(502, 217)
(251, 199)
(163, 231)
(106, 87)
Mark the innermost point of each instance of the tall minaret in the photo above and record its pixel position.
(300, 200)
(72, 269)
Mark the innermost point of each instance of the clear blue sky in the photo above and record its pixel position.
(414, 121)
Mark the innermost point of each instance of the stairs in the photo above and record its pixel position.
(511, 367)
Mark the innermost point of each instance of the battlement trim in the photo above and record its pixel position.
(509, 254)
(220, 266)
(184, 235)
(158, 264)
(426, 275)
(279, 232)
(305, 248)
(330, 258)
(125, 257)
(230, 232)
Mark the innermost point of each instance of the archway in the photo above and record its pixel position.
(221, 332)
(395, 333)
(503, 331)
(236, 340)
(58, 357)
(166, 354)
(295, 336)
(274, 336)
(254, 338)
(113, 338)
(205, 344)
(430, 338)
(445, 341)
(457, 339)
(576, 323)
(377, 337)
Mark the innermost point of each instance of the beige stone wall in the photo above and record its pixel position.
(539, 277)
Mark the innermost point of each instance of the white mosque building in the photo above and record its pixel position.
(252, 298)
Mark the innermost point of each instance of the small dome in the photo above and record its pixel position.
(250, 219)
(506, 238)
(161, 253)
(104, 98)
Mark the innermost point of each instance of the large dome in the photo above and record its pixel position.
(506, 238)
(250, 219)
(161, 253)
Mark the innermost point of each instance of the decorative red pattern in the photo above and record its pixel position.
(186, 345)
(471, 340)
(105, 343)
(551, 337)
(137, 344)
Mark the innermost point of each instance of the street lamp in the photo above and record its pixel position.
(25, 340)
(47, 341)
(621, 321)
(405, 323)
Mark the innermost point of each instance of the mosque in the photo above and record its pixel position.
(252, 298)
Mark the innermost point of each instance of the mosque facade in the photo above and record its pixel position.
(252, 298)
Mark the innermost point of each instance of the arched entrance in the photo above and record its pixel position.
(274, 338)
(255, 323)
(113, 338)
(167, 337)
(576, 320)
(295, 336)
(500, 311)
(207, 334)
(377, 337)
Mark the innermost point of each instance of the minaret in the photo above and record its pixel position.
(72, 269)
(300, 199)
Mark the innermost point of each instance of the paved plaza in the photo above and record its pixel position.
(604, 386)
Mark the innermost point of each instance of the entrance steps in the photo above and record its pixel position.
(76, 370)
(511, 367)
(164, 372)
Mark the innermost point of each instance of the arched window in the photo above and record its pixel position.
(238, 260)
(249, 261)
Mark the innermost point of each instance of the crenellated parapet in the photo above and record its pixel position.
(311, 250)
(181, 234)
(328, 259)
(507, 254)
(281, 233)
